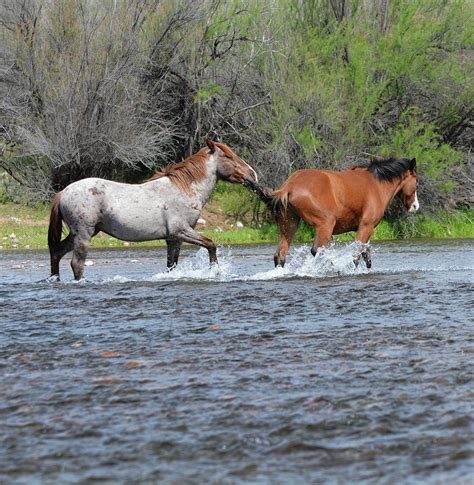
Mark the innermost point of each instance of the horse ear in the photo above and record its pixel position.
(211, 145)
(413, 164)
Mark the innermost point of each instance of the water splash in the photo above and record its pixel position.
(336, 260)
(257, 265)
(197, 268)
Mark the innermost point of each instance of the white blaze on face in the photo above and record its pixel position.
(415, 205)
(255, 175)
(252, 170)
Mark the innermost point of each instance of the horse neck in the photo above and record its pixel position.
(202, 189)
(389, 189)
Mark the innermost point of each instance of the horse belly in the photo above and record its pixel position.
(134, 224)
(345, 225)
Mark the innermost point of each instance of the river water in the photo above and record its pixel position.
(241, 373)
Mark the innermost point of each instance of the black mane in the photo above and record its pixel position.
(387, 170)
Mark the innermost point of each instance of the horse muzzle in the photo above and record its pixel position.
(249, 179)
(255, 176)
(251, 174)
(414, 206)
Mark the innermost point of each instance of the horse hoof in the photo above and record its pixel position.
(53, 278)
(279, 262)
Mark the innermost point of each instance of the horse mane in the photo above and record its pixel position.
(388, 169)
(184, 173)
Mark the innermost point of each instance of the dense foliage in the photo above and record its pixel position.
(120, 87)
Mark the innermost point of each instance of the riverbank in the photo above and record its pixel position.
(23, 227)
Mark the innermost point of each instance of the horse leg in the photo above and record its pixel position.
(173, 248)
(189, 235)
(367, 257)
(81, 246)
(363, 235)
(288, 224)
(323, 234)
(58, 252)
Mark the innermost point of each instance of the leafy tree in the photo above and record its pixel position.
(121, 87)
(73, 105)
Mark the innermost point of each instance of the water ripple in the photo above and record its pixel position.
(240, 373)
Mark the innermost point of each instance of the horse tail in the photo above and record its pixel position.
(276, 201)
(265, 194)
(55, 228)
(279, 202)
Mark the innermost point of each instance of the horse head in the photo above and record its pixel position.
(407, 192)
(230, 167)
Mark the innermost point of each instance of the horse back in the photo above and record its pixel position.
(313, 190)
(325, 194)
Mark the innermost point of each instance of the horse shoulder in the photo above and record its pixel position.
(372, 204)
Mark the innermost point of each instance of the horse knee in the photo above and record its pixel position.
(80, 249)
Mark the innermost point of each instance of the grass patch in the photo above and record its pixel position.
(25, 227)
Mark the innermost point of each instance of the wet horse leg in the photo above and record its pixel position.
(173, 248)
(81, 246)
(189, 235)
(58, 253)
(323, 230)
(363, 235)
(366, 256)
(288, 224)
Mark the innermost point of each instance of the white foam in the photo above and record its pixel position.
(117, 279)
(332, 261)
(256, 264)
(337, 260)
(197, 268)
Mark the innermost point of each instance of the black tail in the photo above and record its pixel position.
(275, 200)
(265, 194)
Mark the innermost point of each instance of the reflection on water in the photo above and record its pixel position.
(239, 373)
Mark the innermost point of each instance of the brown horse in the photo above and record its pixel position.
(338, 202)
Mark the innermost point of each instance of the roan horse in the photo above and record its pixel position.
(338, 202)
(167, 206)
